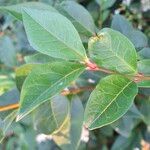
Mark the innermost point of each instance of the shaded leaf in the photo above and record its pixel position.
(127, 123)
(145, 53)
(145, 110)
(22, 72)
(5, 124)
(7, 52)
(120, 23)
(50, 116)
(16, 10)
(68, 136)
(131, 142)
(9, 97)
(79, 16)
(144, 66)
(104, 4)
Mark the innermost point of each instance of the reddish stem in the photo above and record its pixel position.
(93, 67)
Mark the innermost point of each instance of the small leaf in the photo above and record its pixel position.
(110, 100)
(68, 136)
(144, 66)
(16, 10)
(79, 16)
(112, 50)
(47, 33)
(46, 81)
(52, 113)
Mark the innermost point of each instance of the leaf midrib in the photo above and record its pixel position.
(25, 113)
(119, 57)
(55, 84)
(111, 102)
(59, 81)
(74, 51)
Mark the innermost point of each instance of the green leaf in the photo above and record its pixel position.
(52, 113)
(145, 53)
(16, 10)
(112, 50)
(144, 66)
(68, 136)
(79, 16)
(120, 23)
(145, 110)
(6, 83)
(110, 100)
(47, 33)
(9, 97)
(7, 51)
(5, 124)
(127, 123)
(105, 4)
(131, 142)
(22, 72)
(138, 38)
(39, 58)
(46, 81)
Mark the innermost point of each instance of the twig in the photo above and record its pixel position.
(93, 67)
(64, 93)
(9, 107)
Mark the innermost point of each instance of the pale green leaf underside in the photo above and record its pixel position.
(16, 10)
(53, 34)
(52, 113)
(68, 136)
(113, 51)
(109, 101)
(44, 82)
(79, 16)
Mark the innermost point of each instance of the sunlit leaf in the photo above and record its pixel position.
(110, 100)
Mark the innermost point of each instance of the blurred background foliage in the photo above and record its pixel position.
(131, 132)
